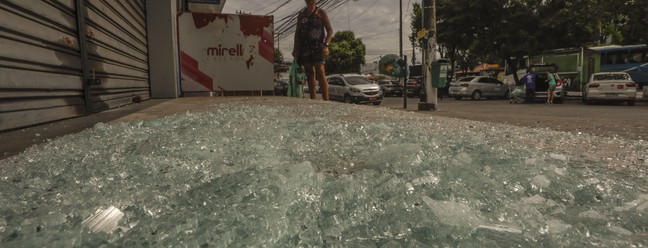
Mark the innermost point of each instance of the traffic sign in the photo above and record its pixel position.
(421, 34)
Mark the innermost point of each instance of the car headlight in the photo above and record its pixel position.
(355, 89)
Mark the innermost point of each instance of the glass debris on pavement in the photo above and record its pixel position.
(259, 173)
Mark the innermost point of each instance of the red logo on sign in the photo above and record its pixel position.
(223, 51)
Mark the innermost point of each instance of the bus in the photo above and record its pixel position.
(632, 59)
(575, 65)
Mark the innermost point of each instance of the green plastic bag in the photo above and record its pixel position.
(296, 79)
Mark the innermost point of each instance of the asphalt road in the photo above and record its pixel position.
(604, 119)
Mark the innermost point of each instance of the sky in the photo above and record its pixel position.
(375, 22)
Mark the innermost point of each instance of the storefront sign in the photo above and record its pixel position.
(226, 52)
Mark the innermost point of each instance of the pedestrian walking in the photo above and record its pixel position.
(311, 47)
(551, 80)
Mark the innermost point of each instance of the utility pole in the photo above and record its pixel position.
(400, 29)
(429, 52)
(413, 54)
(400, 39)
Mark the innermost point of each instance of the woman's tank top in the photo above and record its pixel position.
(311, 35)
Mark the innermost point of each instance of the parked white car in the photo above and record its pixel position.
(353, 88)
(610, 86)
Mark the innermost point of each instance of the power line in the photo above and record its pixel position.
(378, 34)
(281, 5)
(286, 26)
(365, 11)
(256, 4)
(386, 51)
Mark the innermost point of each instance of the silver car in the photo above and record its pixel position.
(353, 88)
(477, 87)
(610, 86)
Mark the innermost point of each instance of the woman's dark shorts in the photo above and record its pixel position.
(312, 59)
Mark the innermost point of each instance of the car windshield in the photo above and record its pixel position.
(466, 79)
(357, 80)
(615, 76)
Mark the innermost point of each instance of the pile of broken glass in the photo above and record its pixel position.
(320, 174)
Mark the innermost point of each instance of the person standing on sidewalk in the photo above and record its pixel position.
(311, 48)
(551, 80)
(529, 80)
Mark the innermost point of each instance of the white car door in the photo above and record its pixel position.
(499, 89)
(484, 86)
(334, 87)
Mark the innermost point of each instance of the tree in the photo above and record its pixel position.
(347, 53)
(564, 24)
(505, 31)
(578, 22)
(416, 25)
(455, 33)
(514, 34)
(278, 56)
(634, 30)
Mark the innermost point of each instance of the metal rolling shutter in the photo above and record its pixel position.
(42, 65)
(117, 52)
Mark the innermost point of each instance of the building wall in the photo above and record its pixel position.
(163, 48)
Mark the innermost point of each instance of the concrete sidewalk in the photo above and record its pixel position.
(16, 141)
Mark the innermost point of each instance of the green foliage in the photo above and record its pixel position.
(492, 31)
(416, 25)
(347, 53)
(278, 56)
(634, 30)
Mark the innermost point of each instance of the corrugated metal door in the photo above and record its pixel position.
(117, 52)
(42, 65)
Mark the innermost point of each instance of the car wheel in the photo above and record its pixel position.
(457, 98)
(347, 99)
(376, 103)
(476, 95)
(631, 103)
